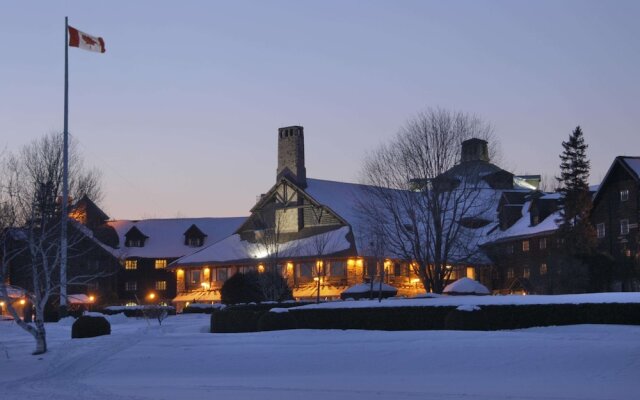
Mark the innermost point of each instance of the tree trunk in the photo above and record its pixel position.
(41, 338)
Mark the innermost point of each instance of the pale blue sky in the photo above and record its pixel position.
(181, 112)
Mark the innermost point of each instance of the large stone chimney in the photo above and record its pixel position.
(474, 150)
(291, 155)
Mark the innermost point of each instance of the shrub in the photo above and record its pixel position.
(276, 321)
(241, 288)
(90, 326)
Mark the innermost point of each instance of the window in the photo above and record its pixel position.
(131, 264)
(339, 268)
(624, 226)
(535, 220)
(560, 242)
(134, 243)
(194, 242)
(509, 249)
(624, 195)
(306, 270)
(525, 245)
(195, 276)
(526, 273)
(160, 264)
(600, 230)
(131, 286)
(543, 243)
(221, 274)
(510, 273)
(543, 269)
(161, 285)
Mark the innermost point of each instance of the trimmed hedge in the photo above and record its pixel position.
(276, 321)
(90, 326)
(245, 319)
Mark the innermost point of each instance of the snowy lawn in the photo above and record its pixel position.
(180, 360)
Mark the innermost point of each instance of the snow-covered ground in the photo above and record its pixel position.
(180, 360)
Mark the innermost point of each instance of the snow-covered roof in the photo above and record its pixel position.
(466, 286)
(523, 228)
(366, 288)
(166, 236)
(234, 249)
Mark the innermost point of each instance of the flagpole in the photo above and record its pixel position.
(65, 178)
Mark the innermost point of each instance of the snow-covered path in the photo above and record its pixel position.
(181, 361)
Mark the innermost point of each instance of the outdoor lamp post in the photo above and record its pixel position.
(319, 274)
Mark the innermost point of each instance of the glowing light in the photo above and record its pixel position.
(290, 268)
(180, 272)
(92, 298)
(415, 280)
(187, 304)
(260, 268)
(351, 262)
(1, 303)
(205, 285)
(23, 302)
(151, 296)
(359, 263)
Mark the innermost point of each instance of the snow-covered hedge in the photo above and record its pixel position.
(486, 317)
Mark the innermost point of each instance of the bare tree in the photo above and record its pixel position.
(31, 224)
(428, 205)
(269, 241)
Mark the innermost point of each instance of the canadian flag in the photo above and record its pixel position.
(82, 40)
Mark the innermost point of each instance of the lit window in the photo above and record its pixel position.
(543, 243)
(624, 195)
(161, 285)
(131, 286)
(131, 264)
(543, 269)
(160, 264)
(627, 252)
(600, 230)
(525, 245)
(624, 226)
(526, 273)
(510, 273)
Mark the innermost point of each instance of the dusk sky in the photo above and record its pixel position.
(181, 113)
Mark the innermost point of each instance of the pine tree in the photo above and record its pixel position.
(575, 227)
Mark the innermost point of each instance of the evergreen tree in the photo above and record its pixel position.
(575, 227)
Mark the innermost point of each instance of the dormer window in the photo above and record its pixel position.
(135, 238)
(194, 237)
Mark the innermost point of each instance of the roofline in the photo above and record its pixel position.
(610, 170)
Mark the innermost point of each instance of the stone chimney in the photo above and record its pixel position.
(291, 155)
(475, 150)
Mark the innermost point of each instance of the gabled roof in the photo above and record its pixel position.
(630, 164)
(194, 231)
(166, 236)
(235, 250)
(135, 233)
